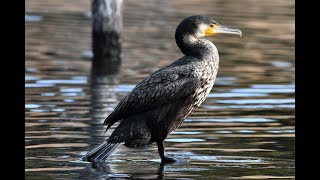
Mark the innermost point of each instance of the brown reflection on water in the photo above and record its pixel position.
(244, 130)
(53, 169)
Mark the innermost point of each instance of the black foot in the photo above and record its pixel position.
(167, 159)
(101, 166)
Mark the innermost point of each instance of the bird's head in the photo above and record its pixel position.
(202, 26)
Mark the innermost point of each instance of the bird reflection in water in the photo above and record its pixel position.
(111, 170)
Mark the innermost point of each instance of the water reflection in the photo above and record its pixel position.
(103, 96)
(102, 101)
(246, 120)
(257, 101)
(30, 106)
(156, 170)
(136, 169)
(244, 130)
(32, 18)
(263, 90)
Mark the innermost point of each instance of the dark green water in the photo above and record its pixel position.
(244, 130)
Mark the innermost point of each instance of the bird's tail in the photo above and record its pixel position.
(101, 152)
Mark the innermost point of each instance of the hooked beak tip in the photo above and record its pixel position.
(240, 33)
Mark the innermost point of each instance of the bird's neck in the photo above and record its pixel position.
(192, 46)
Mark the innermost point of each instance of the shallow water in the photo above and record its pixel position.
(244, 129)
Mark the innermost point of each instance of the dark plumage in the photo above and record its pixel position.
(160, 103)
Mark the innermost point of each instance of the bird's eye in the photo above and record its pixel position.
(211, 25)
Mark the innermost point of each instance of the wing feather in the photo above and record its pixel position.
(161, 87)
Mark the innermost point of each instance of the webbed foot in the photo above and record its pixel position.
(166, 159)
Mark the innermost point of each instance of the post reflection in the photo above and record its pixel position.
(103, 96)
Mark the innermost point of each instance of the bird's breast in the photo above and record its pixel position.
(206, 72)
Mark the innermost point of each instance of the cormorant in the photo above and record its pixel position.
(161, 102)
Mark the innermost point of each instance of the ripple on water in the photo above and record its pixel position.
(31, 78)
(281, 64)
(263, 90)
(225, 80)
(284, 106)
(58, 110)
(223, 132)
(80, 77)
(184, 140)
(119, 175)
(182, 169)
(72, 94)
(226, 95)
(69, 100)
(245, 120)
(87, 54)
(36, 85)
(245, 131)
(62, 81)
(185, 132)
(281, 131)
(274, 86)
(238, 131)
(39, 110)
(124, 88)
(31, 106)
(32, 18)
(256, 101)
(48, 94)
(53, 82)
(227, 159)
(31, 69)
(69, 90)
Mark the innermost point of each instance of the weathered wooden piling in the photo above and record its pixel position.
(106, 36)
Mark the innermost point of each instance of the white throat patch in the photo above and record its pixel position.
(201, 30)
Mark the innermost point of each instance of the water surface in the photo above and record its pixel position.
(244, 130)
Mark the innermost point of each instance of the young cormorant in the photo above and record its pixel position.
(160, 103)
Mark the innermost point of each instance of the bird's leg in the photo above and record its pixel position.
(164, 159)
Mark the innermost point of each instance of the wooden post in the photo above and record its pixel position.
(106, 36)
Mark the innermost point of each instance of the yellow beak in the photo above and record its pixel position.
(216, 29)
